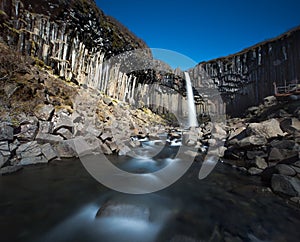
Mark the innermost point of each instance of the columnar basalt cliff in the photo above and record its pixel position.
(73, 37)
(78, 42)
(245, 78)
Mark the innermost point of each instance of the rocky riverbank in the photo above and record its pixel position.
(266, 144)
(41, 115)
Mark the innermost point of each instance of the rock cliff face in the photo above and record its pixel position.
(80, 43)
(73, 37)
(245, 78)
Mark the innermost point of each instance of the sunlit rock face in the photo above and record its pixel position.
(245, 78)
(73, 37)
(76, 40)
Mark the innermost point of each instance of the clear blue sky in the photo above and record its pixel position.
(203, 30)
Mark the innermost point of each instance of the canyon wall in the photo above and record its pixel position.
(245, 78)
(83, 45)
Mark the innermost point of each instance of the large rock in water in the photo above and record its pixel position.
(29, 150)
(286, 185)
(116, 209)
(268, 129)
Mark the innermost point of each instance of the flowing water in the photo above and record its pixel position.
(62, 202)
(192, 119)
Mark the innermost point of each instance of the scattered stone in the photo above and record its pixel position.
(6, 132)
(283, 156)
(28, 150)
(63, 121)
(28, 132)
(105, 149)
(45, 127)
(48, 152)
(48, 138)
(3, 160)
(295, 199)
(253, 140)
(290, 125)
(237, 133)
(65, 133)
(251, 154)
(105, 136)
(296, 168)
(123, 150)
(286, 185)
(44, 112)
(282, 144)
(95, 132)
(270, 101)
(268, 129)
(134, 143)
(297, 163)
(286, 170)
(33, 160)
(76, 117)
(4, 146)
(260, 162)
(10, 169)
(254, 171)
(14, 145)
(65, 149)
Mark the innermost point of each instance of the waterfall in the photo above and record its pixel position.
(192, 118)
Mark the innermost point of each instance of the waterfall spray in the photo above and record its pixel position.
(192, 121)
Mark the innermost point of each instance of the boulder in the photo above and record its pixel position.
(44, 112)
(286, 170)
(253, 140)
(65, 133)
(27, 132)
(48, 152)
(48, 138)
(290, 125)
(123, 150)
(105, 136)
(283, 156)
(14, 145)
(28, 150)
(119, 209)
(105, 149)
(260, 162)
(254, 171)
(286, 185)
(33, 160)
(4, 146)
(270, 101)
(10, 169)
(282, 144)
(237, 133)
(219, 131)
(62, 120)
(6, 132)
(251, 154)
(189, 138)
(4, 151)
(267, 129)
(45, 127)
(65, 149)
(94, 131)
(3, 160)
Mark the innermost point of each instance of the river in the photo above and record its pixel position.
(59, 202)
